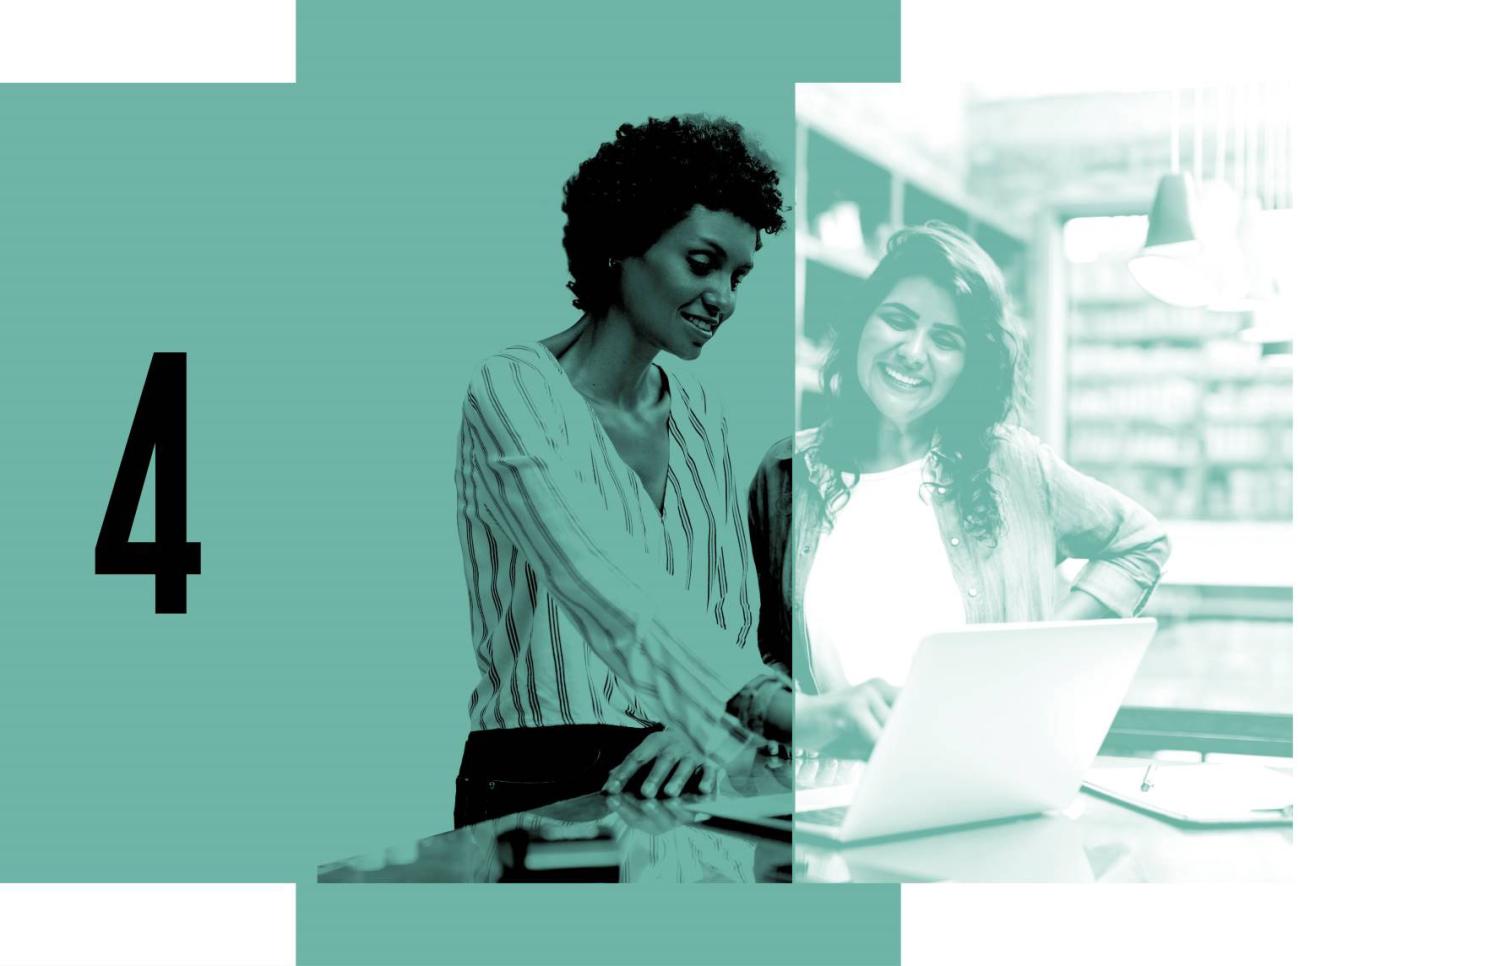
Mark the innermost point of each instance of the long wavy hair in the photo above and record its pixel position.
(989, 392)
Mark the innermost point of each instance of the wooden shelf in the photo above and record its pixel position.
(1269, 463)
(1151, 422)
(1149, 338)
(1098, 303)
(1195, 423)
(1147, 463)
(1266, 375)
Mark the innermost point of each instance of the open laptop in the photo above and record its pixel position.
(995, 721)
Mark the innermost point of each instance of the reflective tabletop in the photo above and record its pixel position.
(1093, 839)
(616, 839)
(598, 838)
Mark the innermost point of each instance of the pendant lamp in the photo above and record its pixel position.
(1169, 266)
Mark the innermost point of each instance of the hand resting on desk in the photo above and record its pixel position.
(664, 765)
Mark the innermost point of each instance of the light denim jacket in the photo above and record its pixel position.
(1050, 512)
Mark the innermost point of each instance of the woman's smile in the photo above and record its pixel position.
(902, 381)
(679, 291)
(911, 351)
(701, 324)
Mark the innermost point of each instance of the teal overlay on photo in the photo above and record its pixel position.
(334, 257)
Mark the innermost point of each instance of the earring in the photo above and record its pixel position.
(614, 264)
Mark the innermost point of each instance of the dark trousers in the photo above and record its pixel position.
(508, 770)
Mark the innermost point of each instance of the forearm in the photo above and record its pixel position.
(781, 716)
(1125, 546)
(765, 707)
(1079, 605)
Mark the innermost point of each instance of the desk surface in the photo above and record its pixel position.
(646, 841)
(1093, 840)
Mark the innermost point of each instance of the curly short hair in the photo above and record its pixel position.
(646, 180)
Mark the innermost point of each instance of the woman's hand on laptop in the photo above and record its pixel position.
(844, 723)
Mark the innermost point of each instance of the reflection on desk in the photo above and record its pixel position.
(1093, 840)
(593, 838)
(619, 840)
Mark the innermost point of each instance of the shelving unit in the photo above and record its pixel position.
(1170, 405)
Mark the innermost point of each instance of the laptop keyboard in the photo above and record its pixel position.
(827, 772)
(825, 816)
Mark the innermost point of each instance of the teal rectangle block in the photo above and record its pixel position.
(334, 256)
(717, 925)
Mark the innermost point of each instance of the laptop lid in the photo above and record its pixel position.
(996, 720)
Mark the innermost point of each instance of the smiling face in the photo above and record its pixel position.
(679, 291)
(911, 351)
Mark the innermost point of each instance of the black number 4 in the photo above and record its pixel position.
(160, 426)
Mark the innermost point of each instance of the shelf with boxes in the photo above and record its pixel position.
(1170, 405)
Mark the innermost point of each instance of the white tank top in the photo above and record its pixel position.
(880, 581)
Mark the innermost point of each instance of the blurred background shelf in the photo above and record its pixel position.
(854, 262)
(1171, 405)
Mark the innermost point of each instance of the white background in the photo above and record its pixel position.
(99, 924)
(148, 41)
(1395, 502)
(1396, 499)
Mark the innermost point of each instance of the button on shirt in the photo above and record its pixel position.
(587, 605)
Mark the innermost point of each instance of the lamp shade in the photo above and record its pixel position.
(1171, 266)
(1172, 212)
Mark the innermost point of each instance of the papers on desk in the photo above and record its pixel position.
(1199, 793)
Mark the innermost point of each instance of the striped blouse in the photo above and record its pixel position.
(587, 604)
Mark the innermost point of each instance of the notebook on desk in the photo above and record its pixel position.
(1198, 794)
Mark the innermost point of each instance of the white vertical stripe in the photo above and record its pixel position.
(967, 924)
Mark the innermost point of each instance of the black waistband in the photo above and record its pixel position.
(552, 753)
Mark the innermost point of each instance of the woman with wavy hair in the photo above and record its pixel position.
(921, 503)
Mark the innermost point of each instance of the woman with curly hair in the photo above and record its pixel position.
(600, 523)
(920, 503)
